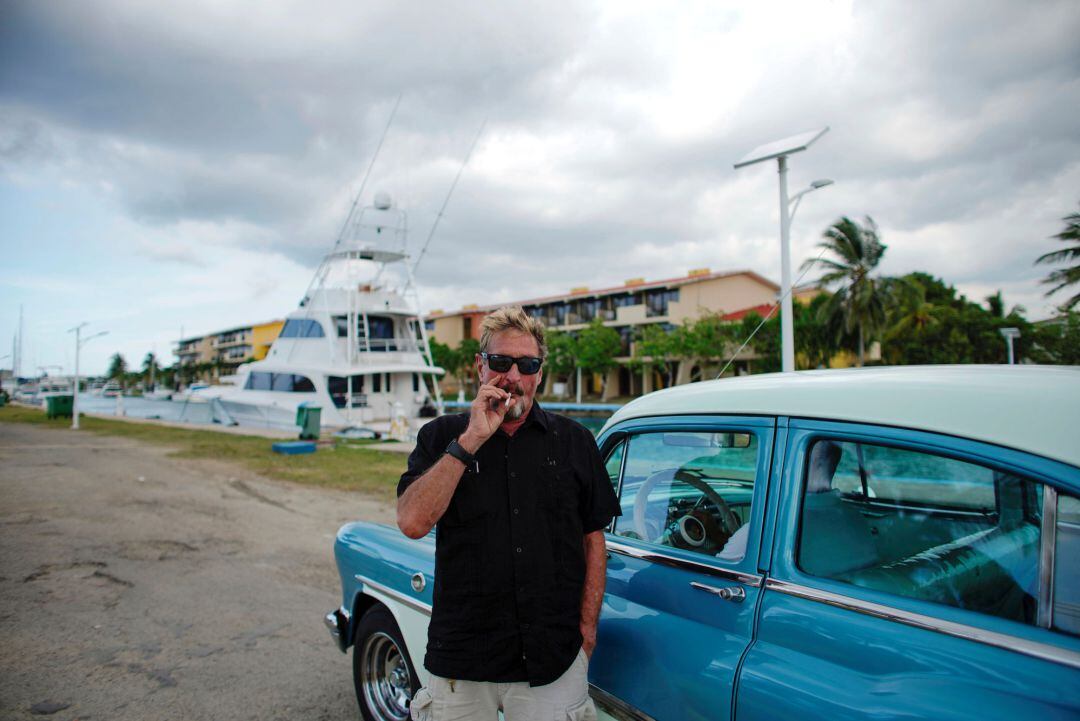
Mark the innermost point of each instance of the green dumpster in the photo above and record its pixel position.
(59, 406)
(308, 418)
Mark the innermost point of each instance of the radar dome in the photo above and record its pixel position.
(383, 200)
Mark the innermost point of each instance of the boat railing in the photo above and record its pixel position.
(383, 345)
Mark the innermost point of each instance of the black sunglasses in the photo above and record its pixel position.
(528, 365)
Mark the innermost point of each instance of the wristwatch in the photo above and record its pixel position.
(455, 450)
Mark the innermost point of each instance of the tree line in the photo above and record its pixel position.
(915, 319)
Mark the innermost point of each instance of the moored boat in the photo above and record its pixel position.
(355, 347)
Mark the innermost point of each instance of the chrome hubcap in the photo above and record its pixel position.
(385, 678)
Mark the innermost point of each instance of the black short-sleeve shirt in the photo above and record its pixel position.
(509, 553)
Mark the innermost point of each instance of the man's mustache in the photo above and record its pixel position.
(516, 389)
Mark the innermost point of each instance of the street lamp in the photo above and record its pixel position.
(79, 343)
(1010, 334)
(797, 198)
(780, 150)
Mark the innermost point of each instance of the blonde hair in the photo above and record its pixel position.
(512, 317)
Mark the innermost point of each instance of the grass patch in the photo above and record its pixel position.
(352, 466)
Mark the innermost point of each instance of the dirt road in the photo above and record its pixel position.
(135, 586)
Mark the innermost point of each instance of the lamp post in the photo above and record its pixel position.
(79, 343)
(1010, 334)
(780, 150)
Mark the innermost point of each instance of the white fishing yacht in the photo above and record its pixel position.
(355, 347)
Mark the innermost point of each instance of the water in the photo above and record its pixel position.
(199, 413)
(173, 411)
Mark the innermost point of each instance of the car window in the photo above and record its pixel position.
(1066, 570)
(613, 465)
(924, 526)
(689, 490)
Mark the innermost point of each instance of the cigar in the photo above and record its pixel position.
(508, 400)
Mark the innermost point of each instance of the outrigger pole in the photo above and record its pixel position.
(450, 192)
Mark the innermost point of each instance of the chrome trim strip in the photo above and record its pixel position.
(1034, 649)
(747, 579)
(413, 603)
(1047, 557)
(615, 706)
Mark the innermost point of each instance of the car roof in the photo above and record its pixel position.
(1030, 408)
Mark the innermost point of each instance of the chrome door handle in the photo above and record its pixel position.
(735, 594)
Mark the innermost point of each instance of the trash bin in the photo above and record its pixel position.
(308, 417)
(59, 406)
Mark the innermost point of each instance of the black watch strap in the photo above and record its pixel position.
(455, 450)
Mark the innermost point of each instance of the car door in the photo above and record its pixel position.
(682, 582)
(916, 575)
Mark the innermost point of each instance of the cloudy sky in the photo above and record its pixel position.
(169, 167)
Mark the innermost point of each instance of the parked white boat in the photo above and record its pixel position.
(112, 389)
(51, 386)
(356, 346)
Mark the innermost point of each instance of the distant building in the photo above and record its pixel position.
(627, 308)
(221, 353)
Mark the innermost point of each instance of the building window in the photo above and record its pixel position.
(562, 310)
(589, 309)
(627, 299)
(657, 301)
(466, 326)
(376, 383)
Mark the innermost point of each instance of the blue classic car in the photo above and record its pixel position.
(896, 543)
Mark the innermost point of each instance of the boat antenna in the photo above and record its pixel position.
(450, 192)
(363, 183)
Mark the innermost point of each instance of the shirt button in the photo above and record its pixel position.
(518, 549)
(513, 474)
(524, 627)
(515, 511)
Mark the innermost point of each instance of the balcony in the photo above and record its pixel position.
(229, 341)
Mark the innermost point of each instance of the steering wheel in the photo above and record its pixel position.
(695, 528)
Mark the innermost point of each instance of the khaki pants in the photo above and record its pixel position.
(564, 699)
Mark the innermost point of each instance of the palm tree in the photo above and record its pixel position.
(859, 306)
(150, 369)
(117, 367)
(1069, 275)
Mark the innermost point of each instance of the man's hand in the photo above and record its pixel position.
(588, 638)
(486, 414)
(592, 594)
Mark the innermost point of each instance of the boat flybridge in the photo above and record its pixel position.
(356, 347)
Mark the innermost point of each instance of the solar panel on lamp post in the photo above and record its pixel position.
(780, 150)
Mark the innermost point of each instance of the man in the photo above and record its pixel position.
(521, 498)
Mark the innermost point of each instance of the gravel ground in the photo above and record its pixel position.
(136, 586)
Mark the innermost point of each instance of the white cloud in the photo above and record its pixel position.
(216, 150)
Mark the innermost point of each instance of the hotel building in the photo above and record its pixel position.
(626, 308)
